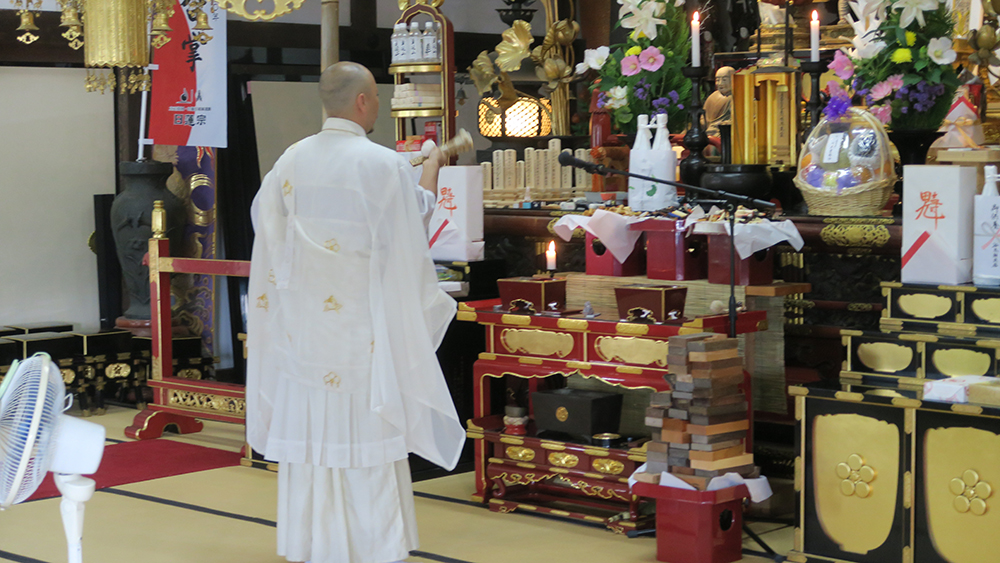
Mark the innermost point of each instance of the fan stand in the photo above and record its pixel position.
(75, 490)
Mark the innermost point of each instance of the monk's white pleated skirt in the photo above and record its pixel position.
(328, 515)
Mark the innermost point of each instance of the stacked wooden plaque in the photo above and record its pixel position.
(700, 428)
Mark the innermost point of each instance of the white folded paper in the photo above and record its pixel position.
(611, 228)
(750, 237)
(953, 389)
(759, 488)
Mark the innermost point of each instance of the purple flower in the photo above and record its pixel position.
(661, 105)
(680, 106)
(602, 100)
(674, 96)
(838, 107)
(904, 109)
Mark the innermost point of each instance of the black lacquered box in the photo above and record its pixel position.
(58, 345)
(577, 412)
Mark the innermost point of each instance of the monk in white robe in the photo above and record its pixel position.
(344, 317)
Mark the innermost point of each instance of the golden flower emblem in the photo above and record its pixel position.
(554, 71)
(482, 73)
(514, 47)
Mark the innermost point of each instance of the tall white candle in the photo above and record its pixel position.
(696, 40)
(550, 256)
(814, 37)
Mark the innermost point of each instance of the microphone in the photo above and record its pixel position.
(567, 159)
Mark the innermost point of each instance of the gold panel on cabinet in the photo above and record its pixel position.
(855, 471)
(885, 357)
(987, 309)
(538, 342)
(962, 466)
(632, 350)
(924, 305)
(961, 361)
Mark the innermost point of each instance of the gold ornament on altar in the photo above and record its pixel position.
(27, 26)
(404, 4)
(281, 7)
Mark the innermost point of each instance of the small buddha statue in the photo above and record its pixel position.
(719, 102)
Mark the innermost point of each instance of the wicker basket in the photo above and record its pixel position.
(860, 200)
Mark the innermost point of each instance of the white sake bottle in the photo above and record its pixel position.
(986, 257)
(414, 42)
(640, 162)
(664, 161)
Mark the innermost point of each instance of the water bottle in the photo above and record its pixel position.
(430, 43)
(414, 43)
(394, 41)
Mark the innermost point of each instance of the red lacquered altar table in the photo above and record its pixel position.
(548, 476)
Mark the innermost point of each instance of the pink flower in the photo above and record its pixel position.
(896, 81)
(842, 66)
(882, 112)
(651, 59)
(631, 66)
(881, 90)
(835, 89)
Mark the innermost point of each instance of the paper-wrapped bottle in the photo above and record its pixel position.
(986, 256)
(640, 162)
(664, 166)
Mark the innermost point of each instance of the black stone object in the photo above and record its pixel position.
(131, 222)
(696, 139)
(753, 180)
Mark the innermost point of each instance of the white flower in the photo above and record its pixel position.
(593, 59)
(940, 51)
(679, 3)
(627, 7)
(643, 20)
(617, 97)
(913, 9)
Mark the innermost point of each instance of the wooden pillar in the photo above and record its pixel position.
(329, 37)
(595, 25)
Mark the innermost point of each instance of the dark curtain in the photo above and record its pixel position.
(239, 180)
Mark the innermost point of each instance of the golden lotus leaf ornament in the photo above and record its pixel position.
(565, 32)
(514, 47)
(554, 71)
(482, 73)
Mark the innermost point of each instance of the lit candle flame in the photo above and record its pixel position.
(815, 17)
(696, 17)
(552, 246)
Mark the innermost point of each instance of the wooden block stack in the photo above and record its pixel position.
(700, 431)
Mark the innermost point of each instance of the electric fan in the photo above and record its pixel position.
(36, 437)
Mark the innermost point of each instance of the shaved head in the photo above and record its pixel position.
(348, 91)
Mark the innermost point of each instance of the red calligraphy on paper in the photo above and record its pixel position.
(447, 200)
(931, 209)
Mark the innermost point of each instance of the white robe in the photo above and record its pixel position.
(345, 312)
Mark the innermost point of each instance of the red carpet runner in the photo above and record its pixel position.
(132, 462)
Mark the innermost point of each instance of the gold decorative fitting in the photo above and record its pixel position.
(516, 320)
(466, 316)
(562, 414)
(987, 309)
(907, 489)
(520, 453)
(118, 371)
(608, 466)
(855, 236)
(281, 7)
(116, 34)
(159, 220)
(857, 477)
(404, 4)
(513, 441)
(538, 342)
(572, 324)
(563, 459)
(970, 493)
(68, 375)
(632, 329)
(27, 21)
(967, 409)
(961, 361)
(208, 402)
(848, 396)
(189, 373)
(202, 22)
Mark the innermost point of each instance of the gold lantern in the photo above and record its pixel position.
(527, 117)
(116, 34)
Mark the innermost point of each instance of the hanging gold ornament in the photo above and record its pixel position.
(116, 34)
(27, 26)
(201, 23)
(161, 25)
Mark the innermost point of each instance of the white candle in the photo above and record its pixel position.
(814, 37)
(696, 40)
(550, 256)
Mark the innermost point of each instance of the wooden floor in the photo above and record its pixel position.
(228, 515)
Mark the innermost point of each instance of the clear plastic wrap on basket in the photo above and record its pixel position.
(846, 166)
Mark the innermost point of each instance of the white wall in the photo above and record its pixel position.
(56, 151)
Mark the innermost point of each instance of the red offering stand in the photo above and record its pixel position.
(697, 526)
(670, 253)
(600, 261)
(758, 269)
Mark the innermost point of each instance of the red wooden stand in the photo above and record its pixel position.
(697, 526)
(180, 402)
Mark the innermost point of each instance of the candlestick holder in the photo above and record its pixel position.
(696, 139)
(815, 70)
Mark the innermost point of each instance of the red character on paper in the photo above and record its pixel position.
(931, 207)
(447, 200)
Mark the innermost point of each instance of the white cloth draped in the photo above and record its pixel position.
(345, 313)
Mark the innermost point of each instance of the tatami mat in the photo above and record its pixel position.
(227, 515)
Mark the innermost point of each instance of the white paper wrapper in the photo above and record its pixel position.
(953, 389)
(611, 228)
(752, 237)
(760, 488)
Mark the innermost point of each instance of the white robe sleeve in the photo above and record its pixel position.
(261, 382)
(425, 204)
(410, 315)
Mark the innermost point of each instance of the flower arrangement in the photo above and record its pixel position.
(642, 76)
(902, 66)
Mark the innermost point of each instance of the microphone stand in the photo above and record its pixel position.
(729, 200)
